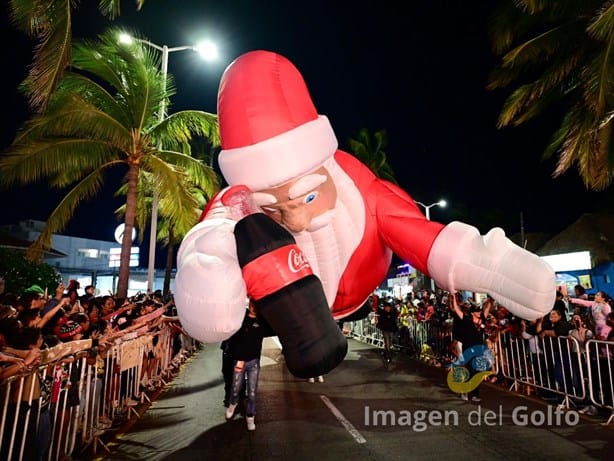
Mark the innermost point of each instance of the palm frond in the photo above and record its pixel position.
(51, 27)
(181, 127)
(602, 24)
(111, 8)
(87, 188)
(200, 175)
(563, 51)
(60, 161)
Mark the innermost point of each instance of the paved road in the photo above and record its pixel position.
(342, 418)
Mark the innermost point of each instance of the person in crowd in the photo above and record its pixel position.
(456, 346)
(559, 304)
(89, 293)
(227, 373)
(599, 310)
(11, 365)
(470, 331)
(404, 322)
(610, 322)
(386, 322)
(492, 331)
(578, 337)
(430, 309)
(245, 349)
(580, 292)
(32, 317)
(227, 370)
(107, 309)
(96, 323)
(84, 321)
(557, 351)
(32, 300)
(69, 330)
(72, 290)
(9, 323)
(539, 367)
(59, 298)
(29, 405)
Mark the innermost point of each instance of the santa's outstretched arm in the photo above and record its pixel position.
(458, 258)
(210, 293)
(462, 259)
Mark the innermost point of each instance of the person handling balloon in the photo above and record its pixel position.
(346, 222)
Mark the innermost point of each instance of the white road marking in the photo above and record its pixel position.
(342, 419)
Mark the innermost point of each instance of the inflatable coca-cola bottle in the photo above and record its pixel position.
(284, 289)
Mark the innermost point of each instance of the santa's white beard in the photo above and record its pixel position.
(332, 237)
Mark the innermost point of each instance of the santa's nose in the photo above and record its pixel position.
(296, 221)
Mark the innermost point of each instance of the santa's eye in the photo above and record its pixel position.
(310, 197)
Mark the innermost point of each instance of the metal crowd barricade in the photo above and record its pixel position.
(600, 362)
(554, 366)
(88, 393)
(426, 338)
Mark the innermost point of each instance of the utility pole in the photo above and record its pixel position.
(522, 240)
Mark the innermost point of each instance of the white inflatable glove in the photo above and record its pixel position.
(210, 293)
(462, 259)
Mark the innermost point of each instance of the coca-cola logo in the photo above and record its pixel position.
(296, 260)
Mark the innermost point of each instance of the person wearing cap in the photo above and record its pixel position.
(346, 221)
(35, 289)
(69, 330)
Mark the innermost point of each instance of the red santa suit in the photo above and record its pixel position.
(272, 136)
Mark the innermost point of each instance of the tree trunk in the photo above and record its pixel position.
(129, 217)
(170, 257)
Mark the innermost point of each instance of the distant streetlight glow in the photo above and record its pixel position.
(442, 203)
(208, 51)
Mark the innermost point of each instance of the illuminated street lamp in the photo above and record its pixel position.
(442, 203)
(208, 51)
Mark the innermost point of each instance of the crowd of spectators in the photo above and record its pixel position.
(67, 316)
(555, 343)
(34, 324)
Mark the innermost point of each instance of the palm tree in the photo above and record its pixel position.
(49, 23)
(561, 54)
(104, 115)
(170, 232)
(369, 148)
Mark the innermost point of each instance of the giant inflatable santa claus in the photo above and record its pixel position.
(346, 221)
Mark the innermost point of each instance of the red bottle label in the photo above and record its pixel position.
(274, 270)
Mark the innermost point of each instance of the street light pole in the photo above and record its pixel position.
(427, 211)
(206, 50)
(442, 203)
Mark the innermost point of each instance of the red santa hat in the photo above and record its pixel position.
(270, 130)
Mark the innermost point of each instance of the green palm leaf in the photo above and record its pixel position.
(560, 53)
(105, 114)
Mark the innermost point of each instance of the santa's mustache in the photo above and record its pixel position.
(320, 221)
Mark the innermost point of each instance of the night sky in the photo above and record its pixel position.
(418, 74)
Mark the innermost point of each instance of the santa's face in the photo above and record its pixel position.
(324, 211)
(304, 204)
